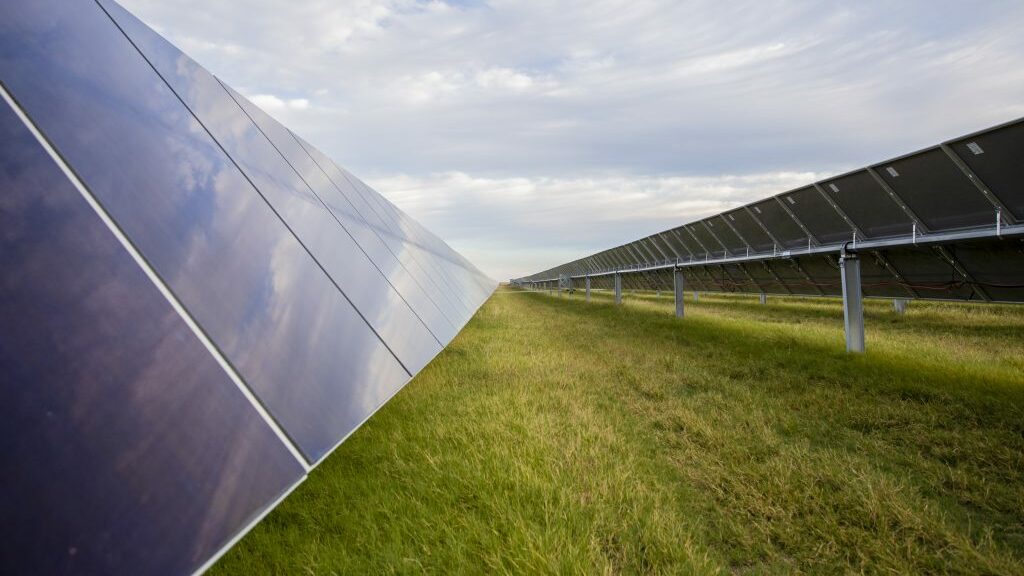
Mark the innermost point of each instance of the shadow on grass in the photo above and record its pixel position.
(1005, 322)
(900, 375)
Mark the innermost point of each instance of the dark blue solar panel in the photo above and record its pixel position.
(402, 241)
(301, 346)
(303, 208)
(433, 309)
(455, 264)
(126, 448)
(411, 279)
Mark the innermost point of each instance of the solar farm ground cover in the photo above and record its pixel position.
(555, 435)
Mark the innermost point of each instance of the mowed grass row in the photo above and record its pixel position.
(557, 436)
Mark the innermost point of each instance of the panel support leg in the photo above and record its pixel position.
(899, 305)
(618, 288)
(853, 304)
(764, 298)
(588, 288)
(680, 286)
(696, 295)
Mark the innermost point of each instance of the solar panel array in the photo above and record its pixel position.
(197, 305)
(941, 223)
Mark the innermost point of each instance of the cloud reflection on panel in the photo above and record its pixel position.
(395, 304)
(126, 449)
(320, 294)
(266, 302)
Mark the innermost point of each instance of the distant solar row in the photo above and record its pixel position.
(197, 305)
(941, 223)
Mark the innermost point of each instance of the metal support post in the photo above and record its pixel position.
(618, 288)
(696, 295)
(899, 305)
(680, 286)
(853, 304)
(764, 298)
(588, 288)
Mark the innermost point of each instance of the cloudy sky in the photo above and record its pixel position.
(528, 133)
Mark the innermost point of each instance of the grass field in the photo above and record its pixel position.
(557, 436)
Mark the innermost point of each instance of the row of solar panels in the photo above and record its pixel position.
(983, 270)
(197, 305)
(925, 216)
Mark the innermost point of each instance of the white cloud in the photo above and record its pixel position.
(428, 86)
(272, 104)
(601, 104)
(503, 78)
(513, 225)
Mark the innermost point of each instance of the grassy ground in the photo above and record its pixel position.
(556, 436)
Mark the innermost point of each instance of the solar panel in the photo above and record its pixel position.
(374, 235)
(818, 215)
(298, 300)
(295, 188)
(726, 235)
(937, 192)
(126, 448)
(753, 234)
(868, 205)
(202, 225)
(780, 224)
(941, 223)
(994, 158)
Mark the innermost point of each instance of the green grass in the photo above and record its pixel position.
(557, 436)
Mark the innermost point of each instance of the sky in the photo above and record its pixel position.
(529, 133)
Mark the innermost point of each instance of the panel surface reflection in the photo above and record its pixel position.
(294, 338)
(303, 210)
(126, 449)
(412, 238)
(341, 208)
(419, 286)
(391, 233)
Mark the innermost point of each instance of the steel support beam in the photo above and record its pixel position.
(679, 282)
(899, 305)
(618, 288)
(764, 298)
(588, 289)
(937, 240)
(853, 303)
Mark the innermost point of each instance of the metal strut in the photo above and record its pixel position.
(853, 303)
